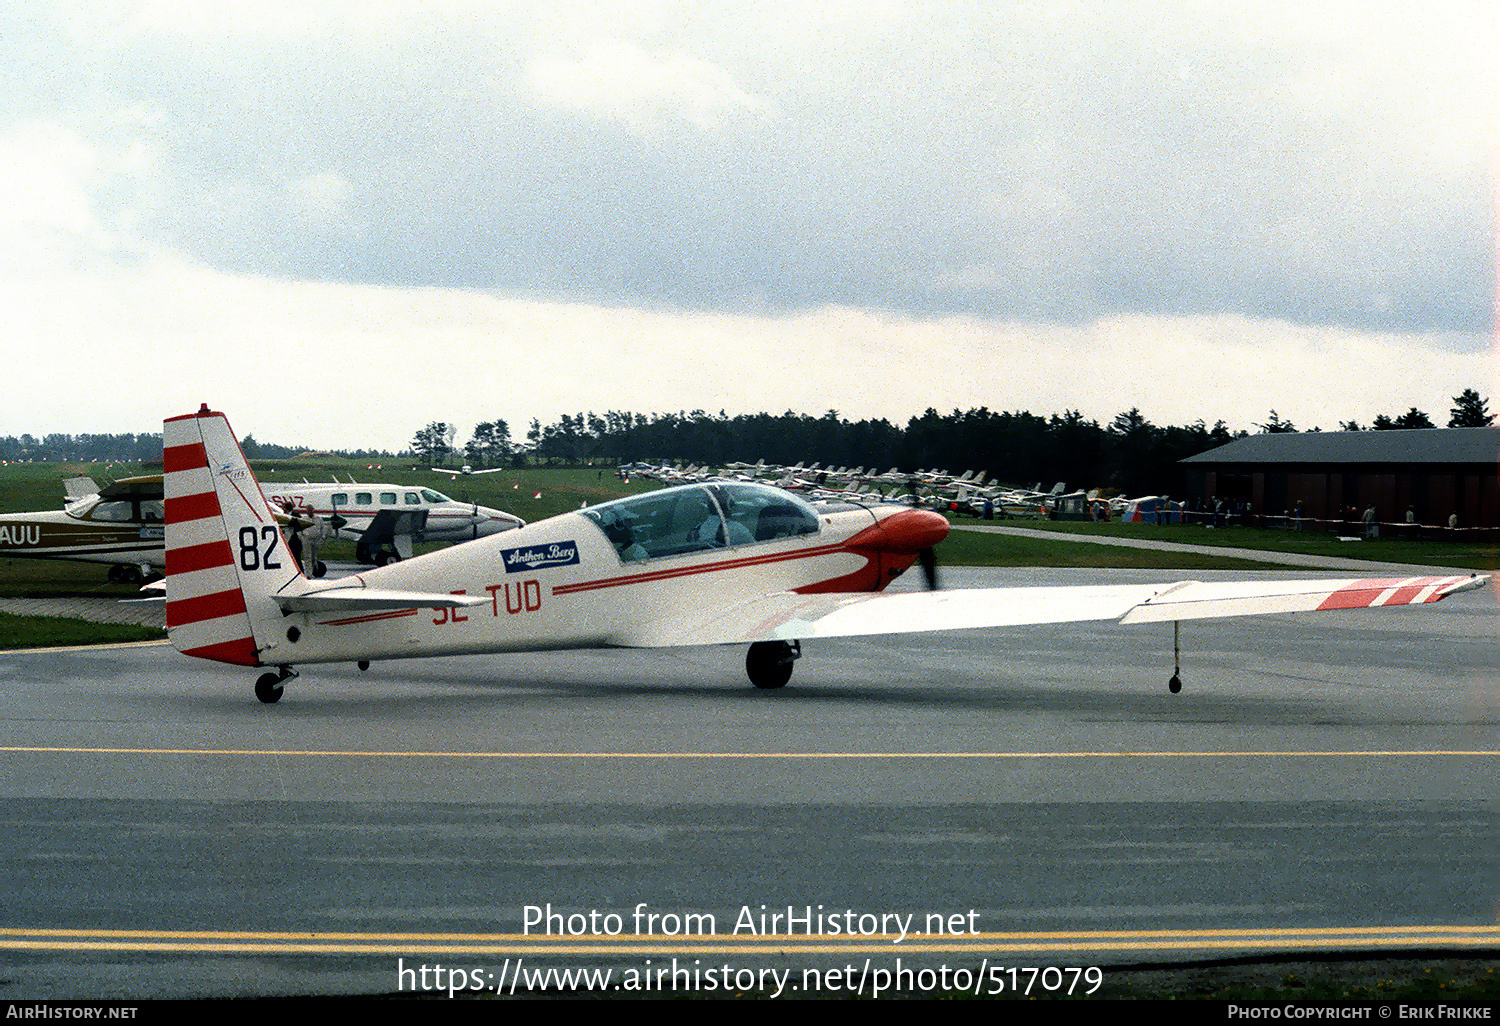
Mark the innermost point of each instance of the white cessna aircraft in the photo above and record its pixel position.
(710, 564)
(119, 524)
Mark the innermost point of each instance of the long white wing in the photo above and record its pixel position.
(789, 616)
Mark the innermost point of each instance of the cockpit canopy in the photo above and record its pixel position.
(693, 518)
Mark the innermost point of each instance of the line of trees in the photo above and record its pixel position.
(490, 445)
(131, 448)
(61, 448)
(1129, 453)
(1469, 410)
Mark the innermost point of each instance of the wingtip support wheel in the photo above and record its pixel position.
(1175, 684)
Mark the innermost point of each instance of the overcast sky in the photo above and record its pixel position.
(338, 221)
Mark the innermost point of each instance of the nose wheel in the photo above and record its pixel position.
(769, 663)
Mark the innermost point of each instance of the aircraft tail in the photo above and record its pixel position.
(225, 553)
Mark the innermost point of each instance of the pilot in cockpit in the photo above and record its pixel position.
(623, 539)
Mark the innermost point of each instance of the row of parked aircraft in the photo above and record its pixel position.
(968, 492)
(122, 523)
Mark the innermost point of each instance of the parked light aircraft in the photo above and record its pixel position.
(119, 524)
(465, 470)
(374, 515)
(704, 564)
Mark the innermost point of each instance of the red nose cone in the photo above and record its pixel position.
(909, 531)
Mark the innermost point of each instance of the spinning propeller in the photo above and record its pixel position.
(928, 559)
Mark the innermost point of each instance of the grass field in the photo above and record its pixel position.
(46, 631)
(973, 548)
(1476, 555)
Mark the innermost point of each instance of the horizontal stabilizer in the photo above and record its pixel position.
(357, 599)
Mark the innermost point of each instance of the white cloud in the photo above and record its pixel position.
(333, 365)
(322, 198)
(620, 81)
(53, 184)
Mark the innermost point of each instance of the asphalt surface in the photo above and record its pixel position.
(1323, 782)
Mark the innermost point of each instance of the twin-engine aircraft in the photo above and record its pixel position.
(384, 519)
(702, 564)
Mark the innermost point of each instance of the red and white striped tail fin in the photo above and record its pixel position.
(225, 553)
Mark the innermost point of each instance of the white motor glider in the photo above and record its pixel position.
(703, 564)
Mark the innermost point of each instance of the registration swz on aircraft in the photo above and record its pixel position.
(703, 564)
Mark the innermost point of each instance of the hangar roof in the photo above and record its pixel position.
(1426, 445)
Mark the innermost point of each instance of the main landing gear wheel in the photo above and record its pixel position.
(769, 663)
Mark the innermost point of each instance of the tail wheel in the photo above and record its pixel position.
(268, 688)
(769, 663)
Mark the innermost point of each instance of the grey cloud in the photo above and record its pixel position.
(954, 159)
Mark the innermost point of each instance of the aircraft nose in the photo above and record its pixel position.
(911, 530)
(491, 521)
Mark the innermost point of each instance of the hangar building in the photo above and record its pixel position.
(1433, 471)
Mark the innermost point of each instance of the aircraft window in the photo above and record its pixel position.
(670, 522)
(413, 499)
(341, 498)
(757, 513)
(364, 499)
(112, 511)
(387, 498)
(432, 496)
(152, 509)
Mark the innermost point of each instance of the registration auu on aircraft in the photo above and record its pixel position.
(120, 524)
(702, 564)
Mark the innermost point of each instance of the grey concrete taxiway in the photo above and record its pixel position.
(1322, 781)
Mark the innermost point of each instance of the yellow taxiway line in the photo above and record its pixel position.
(337, 943)
(403, 754)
